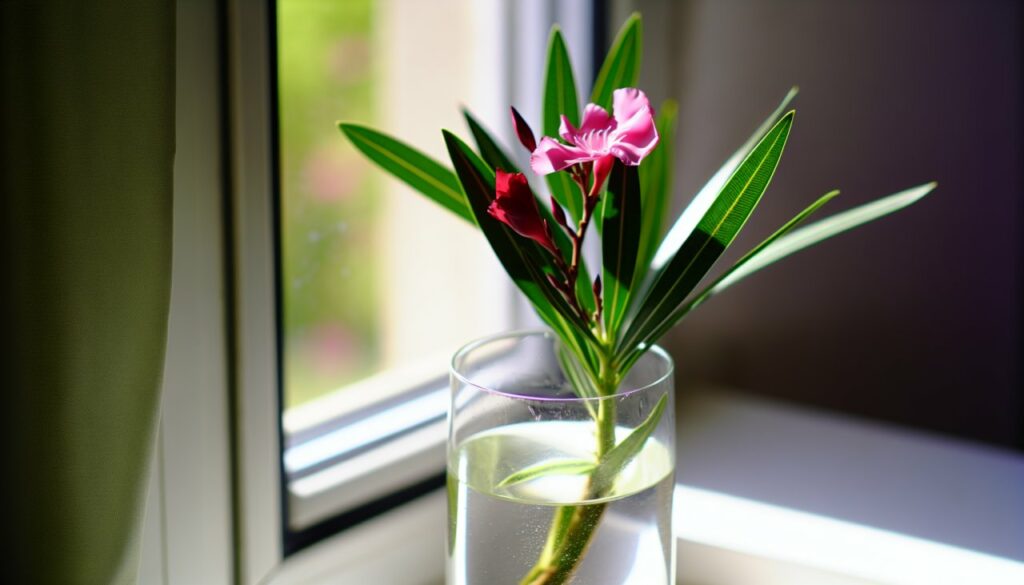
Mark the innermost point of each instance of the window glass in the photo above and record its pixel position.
(374, 277)
(329, 198)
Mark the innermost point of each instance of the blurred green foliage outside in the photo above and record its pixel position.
(329, 210)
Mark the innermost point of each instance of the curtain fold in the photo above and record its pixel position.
(86, 162)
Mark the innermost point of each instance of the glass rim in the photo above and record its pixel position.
(522, 333)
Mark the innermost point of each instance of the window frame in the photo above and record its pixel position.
(257, 469)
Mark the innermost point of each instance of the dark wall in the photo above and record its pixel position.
(914, 319)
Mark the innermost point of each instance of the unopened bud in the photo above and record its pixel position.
(523, 131)
(559, 214)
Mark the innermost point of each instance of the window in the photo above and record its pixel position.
(368, 316)
(329, 207)
(354, 243)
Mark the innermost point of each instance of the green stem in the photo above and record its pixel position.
(575, 539)
(573, 527)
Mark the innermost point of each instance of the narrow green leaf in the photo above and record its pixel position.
(523, 260)
(704, 199)
(560, 98)
(621, 67)
(547, 468)
(604, 473)
(490, 151)
(560, 86)
(713, 234)
(411, 166)
(584, 288)
(738, 267)
(772, 251)
(620, 241)
(788, 240)
(656, 189)
(614, 461)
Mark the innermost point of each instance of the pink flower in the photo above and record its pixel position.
(516, 207)
(628, 135)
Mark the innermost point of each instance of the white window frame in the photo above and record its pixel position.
(257, 465)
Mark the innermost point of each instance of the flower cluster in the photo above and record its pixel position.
(587, 154)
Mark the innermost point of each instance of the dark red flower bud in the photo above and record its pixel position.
(515, 206)
(597, 288)
(523, 131)
(559, 214)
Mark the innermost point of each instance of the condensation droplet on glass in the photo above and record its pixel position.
(341, 227)
(314, 236)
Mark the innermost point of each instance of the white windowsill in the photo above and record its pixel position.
(339, 457)
(774, 494)
(847, 498)
(923, 485)
(376, 454)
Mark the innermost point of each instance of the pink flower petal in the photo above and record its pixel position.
(602, 167)
(596, 118)
(628, 134)
(635, 143)
(627, 102)
(629, 155)
(552, 156)
(636, 135)
(567, 131)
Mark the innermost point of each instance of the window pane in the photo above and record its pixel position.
(373, 276)
(329, 202)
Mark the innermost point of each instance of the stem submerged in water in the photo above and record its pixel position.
(573, 527)
(573, 538)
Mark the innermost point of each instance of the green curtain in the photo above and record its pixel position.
(87, 148)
